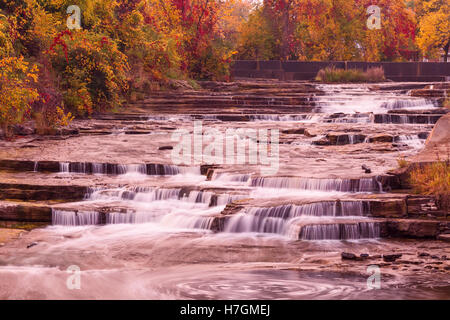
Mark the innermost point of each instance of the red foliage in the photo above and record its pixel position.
(58, 40)
(200, 17)
(104, 41)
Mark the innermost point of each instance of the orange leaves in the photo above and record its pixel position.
(16, 90)
(434, 27)
(336, 29)
(92, 72)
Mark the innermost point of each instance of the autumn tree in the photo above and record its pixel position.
(330, 30)
(91, 71)
(283, 14)
(256, 38)
(434, 27)
(17, 92)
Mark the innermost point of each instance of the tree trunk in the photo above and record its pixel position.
(286, 31)
(446, 51)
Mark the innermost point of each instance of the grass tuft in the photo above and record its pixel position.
(433, 179)
(335, 75)
(402, 163)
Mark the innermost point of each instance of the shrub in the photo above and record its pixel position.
(447, 103)
(17, 92)
(375, 74)
(91, 70)
(48, 110)
(402, 163)
(333, 74)
(433, 179)
(6, 45)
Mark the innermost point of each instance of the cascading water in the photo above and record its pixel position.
(288, 219)
(334, 231)
(341, 185)
(406, 118)
(286, 117)
(122, 169)
(174, 207)
(354, 99)
(413, 141)
(417, 103)
(75, 218)
(234, 178)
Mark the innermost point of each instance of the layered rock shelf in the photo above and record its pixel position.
(336, 184)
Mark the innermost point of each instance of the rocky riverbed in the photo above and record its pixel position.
(327, 203)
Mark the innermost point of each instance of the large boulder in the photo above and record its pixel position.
(437, 144)
(441, 131)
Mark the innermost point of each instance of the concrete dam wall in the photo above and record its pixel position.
(307, 70)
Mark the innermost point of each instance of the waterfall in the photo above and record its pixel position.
(158, 194)
(406, 118)
(224, 199)
(63, 167)
(408, 104)
(169, 117)
(130, 217)
(81, 218)
(285, 117)
(360, 230)
(199, 197)
(172, 220)
(75, 218)
(142, 194)
(280, 219)
(342, 185)
(169, 219)
(132, 168)
(228, 177)
(413, 141)
(187, 221)
(151, 194)
(121, 169)
(348, 118)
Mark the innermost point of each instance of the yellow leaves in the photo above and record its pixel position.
(434, 27)
(16, 92)
(63, 119)
(94, 75)
(231, 15)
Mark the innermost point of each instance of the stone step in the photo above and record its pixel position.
(24, 212)
(414, 228)
(430, 93)
(34, 192)
(234, 108)
(227, 100)
(407, 118)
